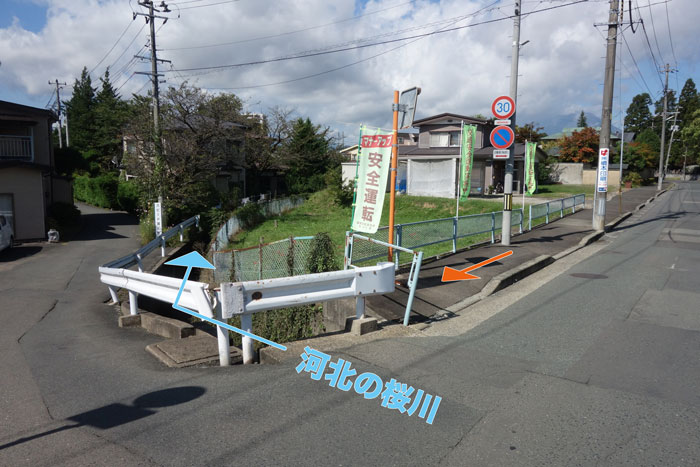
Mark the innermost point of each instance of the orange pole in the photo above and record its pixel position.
(392, 173)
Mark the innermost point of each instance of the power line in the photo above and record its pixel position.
(651, 51)
(389, 50)
(128, 46)
(653, 28)
(292, 32)
(670, 39)
(204, 6)
(624, 39)
(113, 46)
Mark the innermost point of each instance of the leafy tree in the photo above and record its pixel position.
(639, 156)
(691, 136)
(81, 112)
(651, 139)
(111, 114)
(581, 146)
(264, 140)
(582, 122)
(309, 156)
(638, 116)
(530, 132)
(689, 102)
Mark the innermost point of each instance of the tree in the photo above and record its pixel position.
(659, 110)
(265, 137)
(110, 113)
(581, 146)
(691, 136)
(81, 112)
(529, 132)
(582, 122)
(650, 138)
(688, 103)
(638, 116)
(308, 153)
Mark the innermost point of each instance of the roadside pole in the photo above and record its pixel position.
(663, 130)
(601, 190)
(508, 182)
(392, 173)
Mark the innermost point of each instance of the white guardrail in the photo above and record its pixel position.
(242, 298)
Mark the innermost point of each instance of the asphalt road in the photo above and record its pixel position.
(591, 361)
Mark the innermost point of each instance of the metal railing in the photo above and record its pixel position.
(412, 275)
(558, 206)
(16, 147)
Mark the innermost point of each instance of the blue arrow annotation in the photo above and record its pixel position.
(196, 260)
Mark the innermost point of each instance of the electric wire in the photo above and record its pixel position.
(636, 65)
(651, 51)
(653, 28)
(112, 48)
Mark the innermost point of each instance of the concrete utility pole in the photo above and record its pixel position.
(58, 102)
(508, 182)
(604, 142)
(674, 128)
(67, 134)
(663, 130)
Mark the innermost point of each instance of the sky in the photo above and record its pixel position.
(459, 53)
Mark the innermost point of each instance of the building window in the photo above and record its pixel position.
(444, 139)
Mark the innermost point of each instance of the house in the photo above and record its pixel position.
(432, 165)
(28, 182)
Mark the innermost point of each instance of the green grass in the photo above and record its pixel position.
(562, 191)
(320, 214)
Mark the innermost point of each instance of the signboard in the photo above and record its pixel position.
(505, 122)
(501, 153)
(372, 172)
(467, 160)
(503, 107)
(602, 185)
(530, 178)
(407, 107)
(502, 137)
(158, 213)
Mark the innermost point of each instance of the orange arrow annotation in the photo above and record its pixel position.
(449, 274)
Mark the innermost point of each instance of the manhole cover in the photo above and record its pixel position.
(585, 275)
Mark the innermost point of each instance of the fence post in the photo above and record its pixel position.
(346, 259)
(574, 205)
(529, 220)
(399, 240)
(522, 214)
(561, 209)
(260, 259)
(133, 303)
(247, 342)
(546, 216)
(290, 260)
(493, 227)
(162, 246)
(412, 284)
(454, 235)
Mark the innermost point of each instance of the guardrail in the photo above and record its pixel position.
(557, 206)
(412, 275)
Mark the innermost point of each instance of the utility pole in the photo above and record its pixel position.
(67, 134)
(674, 128)
(604, 142)
(58, 102)
(663, 130)
(508, 182)
(157, 140)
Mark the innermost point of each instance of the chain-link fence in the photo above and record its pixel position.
(283, 258)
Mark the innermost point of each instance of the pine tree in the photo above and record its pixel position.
(582, 122)
(689, 102)
(638, 116)
(308, 153)
(110, 116)
(80, 109)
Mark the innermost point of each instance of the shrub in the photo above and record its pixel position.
(322, 257)
(634, 178)
(98, 191)
(250, 215)
(128, 197)
(342, 193)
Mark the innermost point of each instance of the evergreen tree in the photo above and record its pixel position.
(309, 156)
(582, 122)
(689, 102)
(638, 116)
(110, 116)
(81, 112)
(659, 110)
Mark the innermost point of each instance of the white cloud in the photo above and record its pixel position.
(561, 69)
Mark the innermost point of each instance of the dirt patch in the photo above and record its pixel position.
(429, 205)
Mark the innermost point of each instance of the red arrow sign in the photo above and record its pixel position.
(450, 275)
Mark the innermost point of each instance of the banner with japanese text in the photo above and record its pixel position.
(530, 178)
(466, 160)
(372, 175)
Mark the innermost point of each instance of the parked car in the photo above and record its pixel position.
(7, 236)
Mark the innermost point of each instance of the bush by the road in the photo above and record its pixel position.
(107, 191)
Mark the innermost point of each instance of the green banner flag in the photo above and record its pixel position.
(530, 178)
(467, 160)
(374, 161)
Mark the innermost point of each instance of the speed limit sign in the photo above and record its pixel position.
(503, 107)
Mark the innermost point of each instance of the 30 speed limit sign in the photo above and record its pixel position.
(503, 107)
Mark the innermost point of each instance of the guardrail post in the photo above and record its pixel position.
(561, 209)
(133, 303)
(138, 261)
(573, 210)
(529, 221)
(222, 340)
(247, 342)
(360, 307)
(162, 246)
(493, 227)
(412, 284)
(546, 216)
(113, 294)
(181, 231)
(522, 214)
(454, 235)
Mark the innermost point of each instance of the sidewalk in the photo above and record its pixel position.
(532, 251)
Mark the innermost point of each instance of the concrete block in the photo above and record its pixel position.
(129, 321)
(166, 327)
(361, 326)
(335, 313)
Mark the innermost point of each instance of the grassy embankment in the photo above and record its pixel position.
(320, 214)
